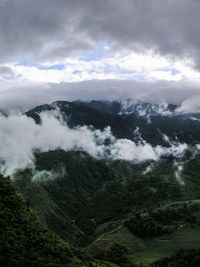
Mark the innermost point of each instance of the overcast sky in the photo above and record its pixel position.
(102, 49)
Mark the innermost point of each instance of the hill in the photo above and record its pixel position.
(27, 242)
(88, 201)
(128, 212)
(61, 189)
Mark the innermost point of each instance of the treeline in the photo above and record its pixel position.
(184, 258)
(162, 221)
(145, 227)
(116, 254)
(187, 213)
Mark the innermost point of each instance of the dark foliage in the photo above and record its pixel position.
(145, 226)
(25, 241)
(116, 254)
(184, 258)
(100, 114)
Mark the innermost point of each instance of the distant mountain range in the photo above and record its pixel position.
(134, 121)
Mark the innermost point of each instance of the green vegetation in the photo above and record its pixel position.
(145, 227)
(62, 199)
(147, 251)
(188, 258)
(124, 196)
(115, 209)
(100, 114)
(26, 242)
(123, 214)
(116, 253)
(155, 234)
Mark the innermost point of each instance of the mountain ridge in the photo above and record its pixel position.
(125, 119)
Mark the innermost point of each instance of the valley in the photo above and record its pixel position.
(120, 212)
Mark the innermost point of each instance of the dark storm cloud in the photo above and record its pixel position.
(35, 28)
(50, 28)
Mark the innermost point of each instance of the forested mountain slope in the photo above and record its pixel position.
(153, 121)
(27, 242)
(81, 198)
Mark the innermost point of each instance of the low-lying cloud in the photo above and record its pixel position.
(24, 98)
(191, 105)
(20, 137)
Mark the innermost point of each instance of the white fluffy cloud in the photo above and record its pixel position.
(21, 137)
(191, 105)
(134, 66)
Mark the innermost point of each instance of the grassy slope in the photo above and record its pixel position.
(47, 209)
(147, 251)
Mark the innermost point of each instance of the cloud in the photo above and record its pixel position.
(90, 49)
(40, 29)
(25, 97)
(4, 70)
(178, 173)
(49, 29)
(191, 105)
(48, 45)
(136, 66)
(21, 137)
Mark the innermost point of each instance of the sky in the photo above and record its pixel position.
(99, 49)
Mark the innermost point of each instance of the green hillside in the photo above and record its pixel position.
(26, 241)
(116, 208)
(181, 220)
(62, 200)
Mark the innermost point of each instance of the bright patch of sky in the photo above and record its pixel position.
(101, 64)
(52, 67)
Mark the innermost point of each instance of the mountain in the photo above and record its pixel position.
(153, 121)
(124, 211)
(59, 199)
(27, 242)
(88, 201)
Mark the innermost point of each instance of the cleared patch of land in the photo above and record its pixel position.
(146, 251)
